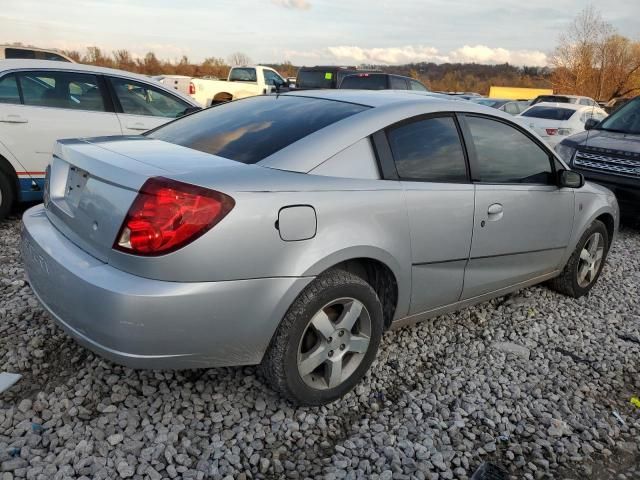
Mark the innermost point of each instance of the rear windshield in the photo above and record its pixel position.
(243, 75)
(23, 53)
(549, 113)
(250, 130)
(315, 79)
(365, 81)
(553, 98)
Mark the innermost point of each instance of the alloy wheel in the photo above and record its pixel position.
(334, 343)
(590, 259)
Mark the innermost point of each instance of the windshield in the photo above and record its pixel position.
(243, 75)
(489, 102)
(250, 130)
(624, 120)
(549, 113)
(365, 81)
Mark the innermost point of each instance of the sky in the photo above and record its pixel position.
(310, 32)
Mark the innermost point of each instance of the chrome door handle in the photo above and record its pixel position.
(13, 119)
(495, 209)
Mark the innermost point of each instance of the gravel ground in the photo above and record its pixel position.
(528, 382)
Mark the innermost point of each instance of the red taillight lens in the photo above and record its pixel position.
(192, 88)
(551, 131)
(167, 214)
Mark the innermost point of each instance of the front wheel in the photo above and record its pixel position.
(584, 267)
(326, 341)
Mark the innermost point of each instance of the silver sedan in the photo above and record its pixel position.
(290, 231)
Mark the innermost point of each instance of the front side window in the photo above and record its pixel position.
(68, 90)
(243, 75)
(397, 83)
(251, 129)
(272, 78)
(506, 155)
(9, 89)
(137, 98)
(416, 85)
(428, 150)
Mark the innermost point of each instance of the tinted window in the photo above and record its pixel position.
(552, 98)
(416, 85)
(428, 150)
(365, 81)
(549, 113)
(32, 54)
(625, 119)
(9, 90)
(250, 130)
(272, 78)
(138, 98)
(397, 83)
(506, 155)
(314, 79)
(243, 75)
(69, 90)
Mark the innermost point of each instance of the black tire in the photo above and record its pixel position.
(567, 283)
(280, 364)
(7, 196)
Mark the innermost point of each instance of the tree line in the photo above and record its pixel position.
(591, 59)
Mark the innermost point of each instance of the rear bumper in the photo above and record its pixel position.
(145, 323)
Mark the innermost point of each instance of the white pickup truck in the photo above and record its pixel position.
(242, 82)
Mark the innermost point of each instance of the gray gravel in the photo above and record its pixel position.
(529, 382)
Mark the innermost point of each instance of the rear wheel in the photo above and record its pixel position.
(584, 267)
(326, 341)
(7, 196)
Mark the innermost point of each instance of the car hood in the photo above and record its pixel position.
(602, 139)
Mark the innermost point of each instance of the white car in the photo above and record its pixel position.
(556, 121)
(43, 101)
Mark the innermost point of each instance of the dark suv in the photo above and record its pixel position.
(381, 81)
(324, 76)
(608, 153)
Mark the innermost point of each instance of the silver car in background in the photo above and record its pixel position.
(290, 231)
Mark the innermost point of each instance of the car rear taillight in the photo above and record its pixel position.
(167, 215)
(551, 131)
(192, 88)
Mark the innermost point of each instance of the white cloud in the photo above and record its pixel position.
(421, 53)
(293, 4)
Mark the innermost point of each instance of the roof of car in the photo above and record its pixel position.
(16, 64)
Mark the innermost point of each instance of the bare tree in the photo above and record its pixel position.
(239, 59)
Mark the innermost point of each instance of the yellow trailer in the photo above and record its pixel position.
(518, 93)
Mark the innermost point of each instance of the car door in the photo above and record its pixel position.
(522, 220)
(53, 105)
(141, 106)
(431, 164)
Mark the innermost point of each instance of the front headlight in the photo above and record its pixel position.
(565, 152)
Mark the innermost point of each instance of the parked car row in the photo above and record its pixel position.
(42, 101)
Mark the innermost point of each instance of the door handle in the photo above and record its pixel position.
(495, 209)
(495, 212)
(13, 119)
(137, 126)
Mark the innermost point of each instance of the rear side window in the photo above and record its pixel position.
(506, 155)
(251, 129)
(428, 150)
(549, 113)
(365, 81)
(68, 90)
(9, 89)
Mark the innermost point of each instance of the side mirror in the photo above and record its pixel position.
(570, 179)
(590, 123)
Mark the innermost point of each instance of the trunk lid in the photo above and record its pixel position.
(92, 183)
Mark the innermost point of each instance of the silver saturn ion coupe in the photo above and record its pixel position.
(290, 231)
